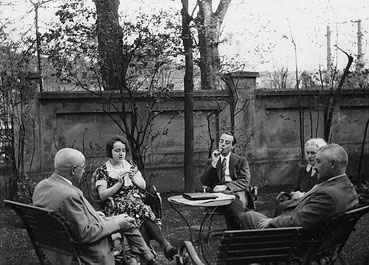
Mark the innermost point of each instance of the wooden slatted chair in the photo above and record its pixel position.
(325, 246)
(250, 246)
(292, 245)
(268, 245)
(47, 230)
(49, 233)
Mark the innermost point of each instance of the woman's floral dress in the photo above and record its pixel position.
(127, 200)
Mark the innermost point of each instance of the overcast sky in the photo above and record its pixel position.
(259, 33)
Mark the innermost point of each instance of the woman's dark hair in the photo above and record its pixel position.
(110, 144)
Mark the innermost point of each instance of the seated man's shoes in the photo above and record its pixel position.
(170, 252)
(149, 259)
(152, 262)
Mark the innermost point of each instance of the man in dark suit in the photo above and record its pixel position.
(332, 195)
(60, 193)
(228, 172)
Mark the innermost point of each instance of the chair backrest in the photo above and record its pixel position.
(328, 241)
(152, 198)
(268, 245)
(94, 192)
(47, 230)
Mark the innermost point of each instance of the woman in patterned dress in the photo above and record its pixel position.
(121, 180)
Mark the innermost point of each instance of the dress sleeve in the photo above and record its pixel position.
(101, 177)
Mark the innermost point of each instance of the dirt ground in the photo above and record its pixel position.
(15, 247)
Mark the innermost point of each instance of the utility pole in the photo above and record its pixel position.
(188, 100)
(36, 6)
(359, 46)
(329, 50)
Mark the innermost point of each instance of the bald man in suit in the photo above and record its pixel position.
(333, 194)
(60, 193)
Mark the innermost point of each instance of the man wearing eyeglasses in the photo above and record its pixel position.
(60, 193)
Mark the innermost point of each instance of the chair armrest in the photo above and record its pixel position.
(187, 252)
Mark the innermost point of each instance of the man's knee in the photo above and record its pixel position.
(248, 220)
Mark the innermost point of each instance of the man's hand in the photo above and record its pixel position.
(264, 223)
(101, 214)
(215, 157)
(125, 222)
(219, 188)
(297, 195)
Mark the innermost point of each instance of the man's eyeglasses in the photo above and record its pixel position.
(83, 167)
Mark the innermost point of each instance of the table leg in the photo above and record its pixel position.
(184, 218)
(206, 219)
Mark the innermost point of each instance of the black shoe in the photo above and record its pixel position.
(152, 262)
(170, 252)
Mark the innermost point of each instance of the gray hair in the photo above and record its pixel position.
(318, 142)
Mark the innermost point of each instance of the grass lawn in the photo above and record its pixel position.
(15, 247)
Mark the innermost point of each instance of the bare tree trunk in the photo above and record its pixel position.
(333, 98)
(189, 101)
(208, 26)
(110, 39)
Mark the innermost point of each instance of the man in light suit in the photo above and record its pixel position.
(332, 195)
(60, 193)
(228, 173)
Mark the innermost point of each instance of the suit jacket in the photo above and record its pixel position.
(238, 169)
(305, 181)
(319, 204)
(56, 194)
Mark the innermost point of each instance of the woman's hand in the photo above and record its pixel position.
(132, 172)
(120, 178)
(122, 175)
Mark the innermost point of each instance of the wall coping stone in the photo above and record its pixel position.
(291, 92)
(78, 95)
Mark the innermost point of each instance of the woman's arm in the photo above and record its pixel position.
(105, 192)
(136, 178)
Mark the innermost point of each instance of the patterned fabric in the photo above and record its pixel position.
(127, 200)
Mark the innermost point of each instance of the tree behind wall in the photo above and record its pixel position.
(133, 59)
(208, 24)
(110, 44)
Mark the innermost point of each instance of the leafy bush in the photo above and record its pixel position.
(362, 189)
(25, 189)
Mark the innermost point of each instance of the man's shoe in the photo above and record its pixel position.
(152, 262)
(149, 259)
(170, 252)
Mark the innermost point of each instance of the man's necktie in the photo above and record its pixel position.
(223, 168)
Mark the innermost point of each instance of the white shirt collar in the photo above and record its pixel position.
(227, 156)
(67, 180)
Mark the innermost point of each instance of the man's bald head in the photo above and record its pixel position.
(70, 163)
(68, 157)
